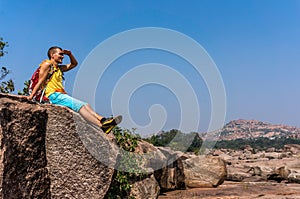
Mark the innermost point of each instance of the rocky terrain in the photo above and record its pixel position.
(252, 173)
(49, 151)
(266, 174)
(239, 190)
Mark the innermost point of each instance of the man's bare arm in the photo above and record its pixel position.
(44, 70)
(73, 62)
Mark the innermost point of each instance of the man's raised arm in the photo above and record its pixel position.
(73, 62)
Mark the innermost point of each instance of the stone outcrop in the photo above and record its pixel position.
(44, 153)
(145, 188)
(23, 151)
(189, 171)
(49, 151)
(204, 172)
(80, 159)
(171, 176)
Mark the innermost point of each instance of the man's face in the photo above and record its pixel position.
(58, 56)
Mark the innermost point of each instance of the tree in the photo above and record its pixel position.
(4, 72)
(196, 143)
(2, 46)
(25, 90)
(176, 140)
(5, 86)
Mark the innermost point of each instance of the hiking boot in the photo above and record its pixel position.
(113, 121)
(108, 129)
(109, 123)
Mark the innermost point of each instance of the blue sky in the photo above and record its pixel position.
(254, 43)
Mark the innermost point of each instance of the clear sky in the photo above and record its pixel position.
(254, 44)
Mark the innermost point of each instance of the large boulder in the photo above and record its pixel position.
(151, 157)
(145, 188)
(204, 171)
(49, 151)
(23, 171)
(270, 173)
(81, 158)
(189, 171)
(170, 176)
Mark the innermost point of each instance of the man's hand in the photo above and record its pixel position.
(67, 67)
(67, 52)
(27, 97)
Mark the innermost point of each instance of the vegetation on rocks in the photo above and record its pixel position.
(128, 166)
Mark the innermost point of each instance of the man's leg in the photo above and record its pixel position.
(84, 110)
(107, 122)
(89, 116)
(89, 108)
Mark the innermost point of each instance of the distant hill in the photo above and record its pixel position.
(247, 129)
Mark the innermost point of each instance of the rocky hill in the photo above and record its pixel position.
(247, 129)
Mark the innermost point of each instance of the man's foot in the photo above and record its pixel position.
(108, 129)
(112, 121)
(109, 123)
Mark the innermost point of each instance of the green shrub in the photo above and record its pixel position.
(128, 168)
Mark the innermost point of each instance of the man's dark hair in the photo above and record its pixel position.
(52, 50)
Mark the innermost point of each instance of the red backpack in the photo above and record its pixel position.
(40, 94)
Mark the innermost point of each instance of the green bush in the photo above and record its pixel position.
(128, 168)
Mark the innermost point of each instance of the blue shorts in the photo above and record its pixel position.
(66, 100)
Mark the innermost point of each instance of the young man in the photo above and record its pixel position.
(56, 93)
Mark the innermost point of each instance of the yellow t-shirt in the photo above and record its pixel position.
(55, 83)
